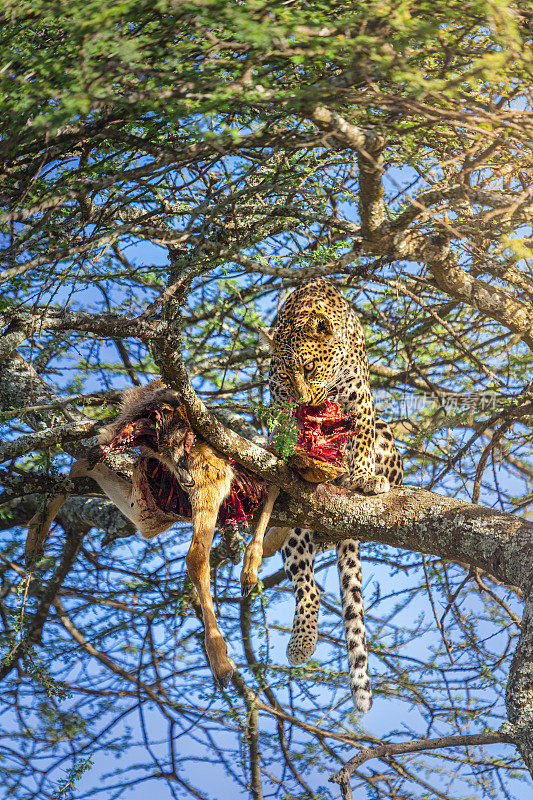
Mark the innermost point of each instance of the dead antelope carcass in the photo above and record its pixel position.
(178, 476)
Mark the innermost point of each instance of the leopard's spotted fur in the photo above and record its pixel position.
(318, 351)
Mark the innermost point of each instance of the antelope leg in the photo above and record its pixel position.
(39, 524)
(204, 521)
(254, 551)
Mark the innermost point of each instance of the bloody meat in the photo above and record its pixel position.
(323, 433)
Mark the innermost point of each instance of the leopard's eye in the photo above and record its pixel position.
(309, 367)
(282, 376)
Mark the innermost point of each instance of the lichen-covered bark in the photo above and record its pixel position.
(519, 692)
(60, 434)
(419, 520)
(105, 325)
(21, 385)
(490, 300)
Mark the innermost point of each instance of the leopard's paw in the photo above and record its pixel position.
(372, 484)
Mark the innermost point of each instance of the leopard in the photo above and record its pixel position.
(318, 352)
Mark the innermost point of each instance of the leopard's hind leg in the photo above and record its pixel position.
(298, 554)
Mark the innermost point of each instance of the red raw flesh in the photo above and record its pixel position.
(166, 492)
(247, 491)
(324, 431)
(141, 432)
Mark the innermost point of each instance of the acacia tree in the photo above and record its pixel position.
(169, 172)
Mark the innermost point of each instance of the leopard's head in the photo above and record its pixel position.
(305, 355)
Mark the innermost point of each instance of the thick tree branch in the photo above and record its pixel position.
(369, 145)
(112, 326)
(418, 746)
(490, 300)
(422, 521)
(371, 202)
(519, 690)
(346, 133)
(434, 251)
(71, 432)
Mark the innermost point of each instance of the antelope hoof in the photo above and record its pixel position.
(249, 574)
(224, 678)
(246, 588)
(221, 666)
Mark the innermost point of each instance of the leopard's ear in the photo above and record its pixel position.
(267, 336)
(318, 326)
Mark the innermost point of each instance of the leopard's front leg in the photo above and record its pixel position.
(362, 462)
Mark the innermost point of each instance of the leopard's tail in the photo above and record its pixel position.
(349, 565)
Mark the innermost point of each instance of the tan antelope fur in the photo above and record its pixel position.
(204, 474)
